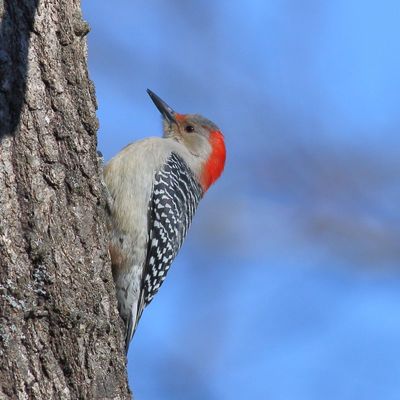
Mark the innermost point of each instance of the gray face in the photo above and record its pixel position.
(193, 131)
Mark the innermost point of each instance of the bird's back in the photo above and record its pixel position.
(154, 195)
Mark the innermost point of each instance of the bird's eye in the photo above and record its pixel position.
(189, 128)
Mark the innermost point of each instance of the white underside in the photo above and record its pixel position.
(129, 177)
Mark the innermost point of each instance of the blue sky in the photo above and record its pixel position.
(288, 285)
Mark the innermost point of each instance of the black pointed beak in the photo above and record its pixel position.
(166, 111)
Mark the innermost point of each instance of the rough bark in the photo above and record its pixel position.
(60, 333)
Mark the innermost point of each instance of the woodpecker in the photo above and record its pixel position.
(155, 185)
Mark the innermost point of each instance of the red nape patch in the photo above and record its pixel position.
(214, 166)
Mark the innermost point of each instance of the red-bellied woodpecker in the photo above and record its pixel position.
(155, 186)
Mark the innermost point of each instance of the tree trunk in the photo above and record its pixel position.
(60, 333)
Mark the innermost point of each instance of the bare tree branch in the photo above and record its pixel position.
(60, 333)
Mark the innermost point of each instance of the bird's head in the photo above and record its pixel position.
(199, 135)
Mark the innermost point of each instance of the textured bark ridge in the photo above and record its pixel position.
(60, 333)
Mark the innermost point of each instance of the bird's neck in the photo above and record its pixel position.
(214, 165)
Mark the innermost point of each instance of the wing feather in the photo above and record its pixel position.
(176, 194)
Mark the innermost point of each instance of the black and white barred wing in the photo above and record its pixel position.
(175, 198)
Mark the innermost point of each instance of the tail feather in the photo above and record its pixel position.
(132, 322)
(129, 331)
